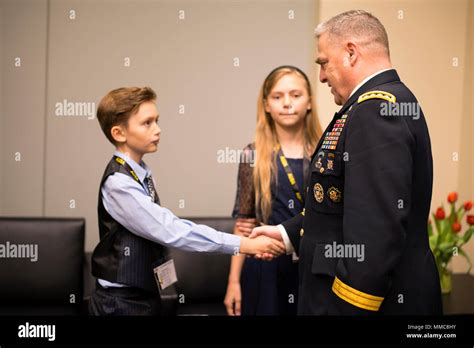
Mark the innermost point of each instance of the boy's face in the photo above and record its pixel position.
(142, 134)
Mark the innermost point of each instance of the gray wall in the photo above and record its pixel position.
(188, 62)
(23, 93)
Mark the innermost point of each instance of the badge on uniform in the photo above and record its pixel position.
(332, 138)
(335, 194)
(165, 275)
(318, 192)
(318, 164)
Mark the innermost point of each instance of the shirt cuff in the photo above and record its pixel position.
(286, 240)
(230, 244)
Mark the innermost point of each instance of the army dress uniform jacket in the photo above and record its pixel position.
(362, 238)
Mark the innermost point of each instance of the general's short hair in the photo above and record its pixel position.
(358, 24)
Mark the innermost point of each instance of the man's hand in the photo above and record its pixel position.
(269, 231)
(262, 245)
(245, 226)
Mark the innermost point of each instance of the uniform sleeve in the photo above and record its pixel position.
(293, 227)
(377, 187)
(244, 206)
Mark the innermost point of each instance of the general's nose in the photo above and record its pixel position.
(322, 76)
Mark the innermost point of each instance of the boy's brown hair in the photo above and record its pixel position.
(118, 105)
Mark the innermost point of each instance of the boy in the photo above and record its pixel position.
(133, 226)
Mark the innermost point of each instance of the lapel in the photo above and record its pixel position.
(380, 79)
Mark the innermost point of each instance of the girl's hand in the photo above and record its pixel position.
(233, 298)
(245, 226)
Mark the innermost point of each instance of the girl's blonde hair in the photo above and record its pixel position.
(266, 141)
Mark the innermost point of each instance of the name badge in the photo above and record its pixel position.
(165, 275)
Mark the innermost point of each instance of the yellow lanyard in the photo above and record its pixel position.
(290, 174)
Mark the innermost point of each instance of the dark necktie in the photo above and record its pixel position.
(151, 189)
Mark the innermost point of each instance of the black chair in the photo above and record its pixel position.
(41, 266)
(202, 277)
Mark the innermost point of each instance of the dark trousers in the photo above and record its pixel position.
(124, 301)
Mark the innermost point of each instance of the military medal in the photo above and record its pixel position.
(318, 164)
(318, 192)
(330, 164)
(332, 138)
(334, 194)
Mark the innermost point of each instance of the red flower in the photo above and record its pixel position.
(456, 227)
(440, 214)
(452, 197)
(468, 205)
(470, 219)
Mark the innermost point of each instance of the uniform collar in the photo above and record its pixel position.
(141, 169)
(367, 79)
(379, 78)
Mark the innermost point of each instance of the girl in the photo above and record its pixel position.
(271, 189)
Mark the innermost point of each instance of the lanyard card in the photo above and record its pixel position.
(165, 274)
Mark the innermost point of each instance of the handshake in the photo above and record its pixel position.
(264, 242)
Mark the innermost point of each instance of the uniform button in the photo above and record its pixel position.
(301, 232)
(303, 211)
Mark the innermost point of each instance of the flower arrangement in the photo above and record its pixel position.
(446, 239)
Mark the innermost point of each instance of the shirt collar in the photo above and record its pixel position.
(367, 79)
(141, 169)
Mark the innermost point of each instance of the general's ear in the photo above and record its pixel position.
(118, 134)
(352, 53)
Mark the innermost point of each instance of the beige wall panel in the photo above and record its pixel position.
(23, 93)
(466, 151)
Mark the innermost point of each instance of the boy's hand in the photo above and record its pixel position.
(270, 231)
(262, 245)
